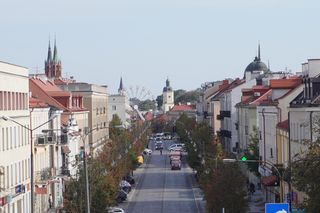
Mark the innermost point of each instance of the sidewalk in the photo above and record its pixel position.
(198, 193)
(256, 202)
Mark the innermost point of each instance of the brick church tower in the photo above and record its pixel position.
(53, 68)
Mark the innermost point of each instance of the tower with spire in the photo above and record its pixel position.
(121, 88)
(168, 97)
(53, 68)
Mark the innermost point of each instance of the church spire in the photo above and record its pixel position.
(259, 52)
(121, 90)
(53, 67)
(55, 52)
(49, 58)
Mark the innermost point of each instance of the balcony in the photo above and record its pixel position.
(225, 133)
(44, 175)
(64, 171)
(43, 140)
(225, 114)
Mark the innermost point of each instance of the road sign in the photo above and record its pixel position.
(276, 208)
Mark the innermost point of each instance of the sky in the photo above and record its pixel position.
(147, 41)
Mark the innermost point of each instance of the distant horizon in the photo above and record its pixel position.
(191, 42)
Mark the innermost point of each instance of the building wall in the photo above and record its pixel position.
(229, 101)
(41, 159)
(119, 104)
(168, 100)
(14, 140)
(95, 100)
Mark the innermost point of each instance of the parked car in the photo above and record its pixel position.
(177, 147)
(147, 151)
(140, 159)
(175, 164)
(114, 210)
(130, 179)
(125, 185)
(122, 196)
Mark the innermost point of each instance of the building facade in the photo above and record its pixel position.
(14, 139)
(119, 104)
(95, 100)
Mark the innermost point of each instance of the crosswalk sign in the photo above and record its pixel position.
(276, 208)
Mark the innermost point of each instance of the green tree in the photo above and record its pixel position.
(253, 151)
(184, 97)
(225, 190)
(306, 172)
(146, 105)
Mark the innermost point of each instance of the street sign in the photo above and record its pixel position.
(276, 208)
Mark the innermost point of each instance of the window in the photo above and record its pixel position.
(114, 107)
(104, 110)
(97, 111)
(246, 130)
(9, 101)
(271, 153)
(5, 100)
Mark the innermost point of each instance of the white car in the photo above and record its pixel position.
(176, 147)
(147, 151)
(114, 210)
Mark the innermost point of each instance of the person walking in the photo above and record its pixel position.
(252, 188)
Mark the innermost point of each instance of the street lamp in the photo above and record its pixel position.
(6, 118)
(244, 159)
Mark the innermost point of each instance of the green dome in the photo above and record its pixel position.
(257, 65)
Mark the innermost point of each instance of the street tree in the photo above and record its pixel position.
(306, 172)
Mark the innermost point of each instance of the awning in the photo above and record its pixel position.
(271, 180)
(66, 150)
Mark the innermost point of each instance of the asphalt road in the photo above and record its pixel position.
(160, 189)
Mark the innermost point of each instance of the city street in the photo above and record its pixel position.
(160, 189)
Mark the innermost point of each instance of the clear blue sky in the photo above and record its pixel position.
(144, 41)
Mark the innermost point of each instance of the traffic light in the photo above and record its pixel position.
(244, 158)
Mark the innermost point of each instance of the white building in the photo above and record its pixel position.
(270, 113)
(119, 104)
(48, 184)
(231, 97)
(168, 97)
(14, 139)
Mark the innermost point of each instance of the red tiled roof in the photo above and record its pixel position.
(36, 103)
(287, 83)
(262, 98)
(182, 107)
(283, 125)
(52, 94)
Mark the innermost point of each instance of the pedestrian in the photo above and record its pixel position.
(50, 201)
(160, 151)
(252, 188)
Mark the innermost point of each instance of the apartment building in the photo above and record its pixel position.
(95, 100)
(14, 139)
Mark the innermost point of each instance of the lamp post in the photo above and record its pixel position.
(6, 118)
(232, 160)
